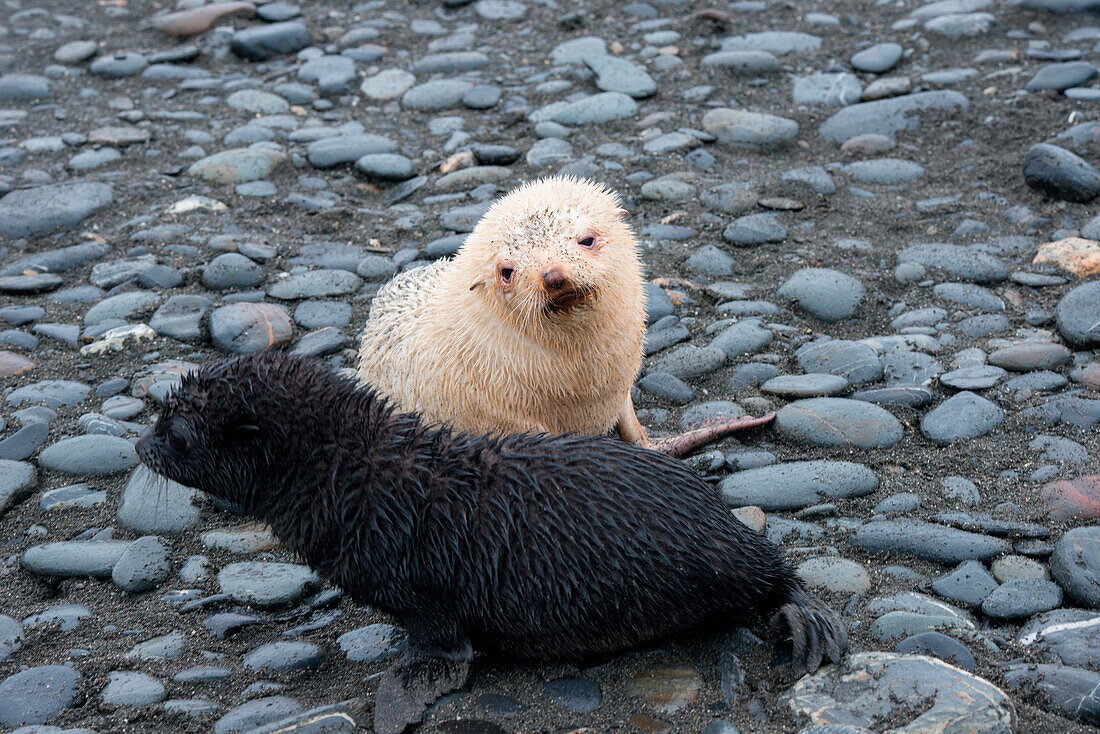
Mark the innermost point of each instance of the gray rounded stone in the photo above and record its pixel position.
(267, 584)
(1022, 598)
(838, 422)
(129, 688)
(387, 84)
(919, 694)
(878, 58)
(1071, 634)
(614, 74)
(17, 480)
(977, 377)
(123, 306)
(333, 151)
(805, 386)
(927, 541)
(744, 337)
(889, 116)
(36, 695)
(856, 362)
(11, 637)
(887, 171)
(119, 65)
(1075, 565)
(372, 643)
(689, 362)
(750, 130)
(257, 713)
(386, 166)
(180, 318)
(142, 566)
(742, 62)
(834, 90)
(231, 270)
(438, 94)
(838, 575)
(237, 165)
(89, 455)
(24, 87)
(755, 229)
(284, 657)
(262, 42)
(244, 328)
(257, 101)
(797, 484)
(74, 558)
(825, 294)
(1060, 173)
(316, 284)
(962, 416)
(1078, 315)
(43, 210)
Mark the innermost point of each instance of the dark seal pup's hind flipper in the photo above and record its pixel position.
(813, 631)
(411, 686)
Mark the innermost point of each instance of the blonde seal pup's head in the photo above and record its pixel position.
(552, 253)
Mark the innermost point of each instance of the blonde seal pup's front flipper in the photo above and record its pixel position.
(536, 325)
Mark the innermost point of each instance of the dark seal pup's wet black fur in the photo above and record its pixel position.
(528, 547)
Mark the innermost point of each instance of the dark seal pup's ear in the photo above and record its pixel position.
(245, 431)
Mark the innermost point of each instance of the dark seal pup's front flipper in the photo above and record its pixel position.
(813, 630)
(436, 662)
(411, 686)
(683, 444)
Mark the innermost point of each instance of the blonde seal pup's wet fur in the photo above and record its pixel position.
(536, 325)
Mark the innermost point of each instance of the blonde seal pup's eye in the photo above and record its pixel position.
(587, 242)
(506, 271)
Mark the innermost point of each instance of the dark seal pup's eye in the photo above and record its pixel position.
(179, 437)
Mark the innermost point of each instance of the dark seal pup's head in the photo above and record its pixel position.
(230, 429)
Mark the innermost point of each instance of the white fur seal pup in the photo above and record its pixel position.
(536, 325)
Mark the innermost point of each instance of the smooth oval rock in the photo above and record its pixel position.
(1061, 174)
(89, 455)
(43, 210)
(284, 657)
(237, 166)
(36, 695)
(927, 541)
(919, 694)
(75, 558)
(826, 294)
(129, 688)
(1078, 315)
(1075, 565)
(838, 422)
(797, 484)
(266, 584)
(962, 416)
(244, 328)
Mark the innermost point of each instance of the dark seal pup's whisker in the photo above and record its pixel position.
(531, 547)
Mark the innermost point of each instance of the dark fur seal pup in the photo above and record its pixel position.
(529, 547)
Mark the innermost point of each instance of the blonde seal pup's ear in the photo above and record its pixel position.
(477, 284)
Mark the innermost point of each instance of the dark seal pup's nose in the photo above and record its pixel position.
(144, 444)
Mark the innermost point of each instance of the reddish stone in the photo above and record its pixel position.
(1074, 254)
(752, 516)
(13, 364)
(1074, 499)
(202, 18)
